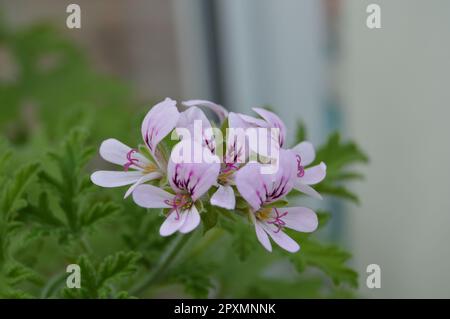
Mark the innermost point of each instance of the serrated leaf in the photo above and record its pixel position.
(97, 212)
(329, 258)
(117, 265)
(14, 188)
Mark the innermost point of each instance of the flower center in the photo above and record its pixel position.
(265, 214)
(300, 168)
(150, 168)
(225, 173)
(180, 202)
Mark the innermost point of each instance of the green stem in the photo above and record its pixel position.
(160, 270)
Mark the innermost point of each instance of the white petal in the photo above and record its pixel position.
(274, 121)
(172, 223)
(280, 238)
(301, 219)
(262, 236)
(150, 196)
(306, 152)
(116, 152)
(224, 197)
(314, 175)
(308, 190)
(219, 110)
(159, 121)
(115, 178)
(192, 220)
(142, 180)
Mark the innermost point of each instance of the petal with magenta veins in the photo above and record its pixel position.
(187, 176)
(198, 125)
(250, 184)
(116, 152)
(274, 122)
(159, 121)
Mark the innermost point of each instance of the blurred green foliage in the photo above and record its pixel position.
(54, 109)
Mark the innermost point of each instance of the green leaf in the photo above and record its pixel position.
(194, 276)
(118, 265)
(97, 212)
(328, 258)
(339, 157)
(95, 279)
(14, 188)
(209, 218)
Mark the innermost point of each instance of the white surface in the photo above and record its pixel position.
(396, 89)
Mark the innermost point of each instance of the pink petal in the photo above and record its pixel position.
(274, 121)
(224, 197)
(150, 196)
(306, 152)
(115, 178)
(314, 174)
(301, 219)
(250, 184)
(142, 180)
(198, 125)
(219, 110)
(258, 188)
(262, 236)
(236, 140)
(159, 121)
(192, 220)
(194, 178)
(172, 223)
(116, 152)
(252, 121)
(280, 238)
(308, 190)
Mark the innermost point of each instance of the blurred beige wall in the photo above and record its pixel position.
(135, 42)
(396, 89)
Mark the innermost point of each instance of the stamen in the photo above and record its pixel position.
(277, 221)
(131, 161)
(300, 168)
(229, 167)
(179, 201)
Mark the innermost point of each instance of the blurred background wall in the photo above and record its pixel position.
(316, 60)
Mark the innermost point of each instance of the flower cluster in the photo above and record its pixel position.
(203, 166)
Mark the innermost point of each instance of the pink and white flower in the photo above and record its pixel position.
(234, 157)
(189, 182)
(137, 168)
(305, 153)
(260, 190)
(200, 130)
